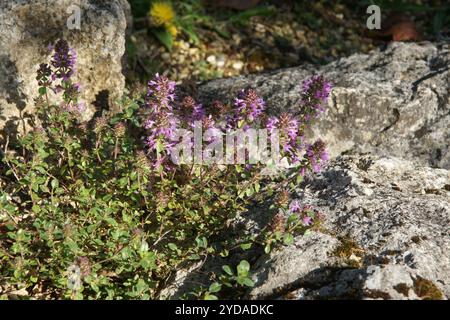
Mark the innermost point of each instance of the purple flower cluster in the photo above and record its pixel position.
(295, 206)
(317, 86)
(212, 130)
(289, 130)
(160, 94)
(289, 127)
(316, 155)
(272, 124)
(62, 66)
(162, 130)
(303, 212)
(191, 110)
(249, 106)
(166, 116)
(161, 122)
(314, 91)
(64, 59)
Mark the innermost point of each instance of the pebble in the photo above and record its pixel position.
(193, 51)
(165, 56)
(238, 65)
(221, 61)
(212, 60)
(260, 28)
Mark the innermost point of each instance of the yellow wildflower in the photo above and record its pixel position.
(162, 13)
(172, 30)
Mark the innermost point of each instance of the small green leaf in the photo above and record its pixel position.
(194, 257)
(36, 208)
(288, 239)
(246, 246)
(172, 246)
(35, 187)
(42, 91)
(164, 37)
(215, 287)
(224, 253)
(148, 261)
(54, 183)
(292, 219)
(248, 282)
(243, 268)
(202, 242)
(228, 270)
(210, 297)
(144, 246)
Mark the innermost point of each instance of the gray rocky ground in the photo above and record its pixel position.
(386, 229)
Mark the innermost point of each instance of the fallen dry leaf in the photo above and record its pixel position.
(396, 27)
(404, 31)
(400, 27)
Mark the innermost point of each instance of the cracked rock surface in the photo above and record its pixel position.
(396, 214)
(385, 236)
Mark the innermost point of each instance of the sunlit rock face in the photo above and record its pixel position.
(27, 27)
(384, 236)
(394, 101)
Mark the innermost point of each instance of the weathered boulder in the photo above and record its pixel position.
(27, 27)
(385, 236)
(394, 101)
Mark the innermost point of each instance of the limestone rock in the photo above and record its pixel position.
(394, 101)
(303, 260)
(396, 214)
(385, 236)
(27, 27)
(374, 282)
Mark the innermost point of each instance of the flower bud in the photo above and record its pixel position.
(119, 130)
(100, 124)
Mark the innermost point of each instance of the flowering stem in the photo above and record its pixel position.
(116, 148)
(97, 151)
(46, 98)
